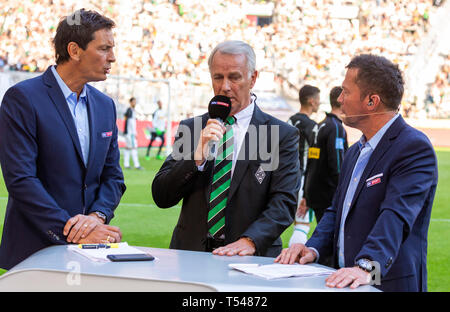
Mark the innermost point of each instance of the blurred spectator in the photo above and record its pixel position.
(437, 102)
(166, 39)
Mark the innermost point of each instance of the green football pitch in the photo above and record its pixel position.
(143, 224)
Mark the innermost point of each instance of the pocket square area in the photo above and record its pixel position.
(374, 177)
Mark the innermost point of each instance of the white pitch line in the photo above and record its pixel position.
(137, 205)
(440, 220)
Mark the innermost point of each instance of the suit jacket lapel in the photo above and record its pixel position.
(57, 97)
(258, 118)
(382, 147)
(351, 158)
(91, 107)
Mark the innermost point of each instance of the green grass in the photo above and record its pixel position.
(438, 245)
(143, 224)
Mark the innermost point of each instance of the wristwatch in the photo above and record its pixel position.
(365, 264)
(101, 215)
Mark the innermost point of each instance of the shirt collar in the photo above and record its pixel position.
(246, 114)
(64, 88)
(373, 142)
(333, 116)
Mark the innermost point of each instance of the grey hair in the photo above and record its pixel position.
(236, 47)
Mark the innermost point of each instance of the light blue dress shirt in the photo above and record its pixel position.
(366, 150)
(78, 109)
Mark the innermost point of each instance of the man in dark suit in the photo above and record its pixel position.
(58, 147)
(261, 196)
(378, 222)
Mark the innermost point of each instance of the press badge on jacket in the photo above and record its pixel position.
(314, 153)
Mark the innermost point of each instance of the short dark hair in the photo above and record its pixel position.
(334, 94)
(306, 92)
(132, 99)
(377, 75)
(78, 27)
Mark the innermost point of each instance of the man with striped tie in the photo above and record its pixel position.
(239, 202)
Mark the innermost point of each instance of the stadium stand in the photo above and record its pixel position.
(298, 41)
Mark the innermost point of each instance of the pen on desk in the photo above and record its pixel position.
(97, 246)
(93, 246)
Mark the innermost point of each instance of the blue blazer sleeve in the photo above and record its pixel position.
(111, 186)
(407, 193)
(322, 238)
(18, 154)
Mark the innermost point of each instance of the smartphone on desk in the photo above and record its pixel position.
(130, 257)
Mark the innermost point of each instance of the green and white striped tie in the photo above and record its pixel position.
(221, 182)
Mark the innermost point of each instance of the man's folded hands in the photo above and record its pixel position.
(82, 229)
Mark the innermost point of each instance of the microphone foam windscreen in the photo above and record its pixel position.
(219, 107)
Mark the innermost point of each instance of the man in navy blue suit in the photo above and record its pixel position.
(58, 146)
(378, 222)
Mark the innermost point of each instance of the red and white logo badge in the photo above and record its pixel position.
(106, 134)
(373, 182)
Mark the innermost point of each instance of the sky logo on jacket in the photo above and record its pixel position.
(373, 182)
(220, 103)
(106, 134)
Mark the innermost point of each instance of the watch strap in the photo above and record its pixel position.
(365, 264)
(101, 215)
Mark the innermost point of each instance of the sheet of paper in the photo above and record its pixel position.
(276, 270)
(99, 255)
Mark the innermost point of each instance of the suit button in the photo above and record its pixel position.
(84, 186)
(389, 262)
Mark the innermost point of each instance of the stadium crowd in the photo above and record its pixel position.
(439, 91)
(307, 41)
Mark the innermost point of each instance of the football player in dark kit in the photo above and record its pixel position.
(325, 158)
(309, 97)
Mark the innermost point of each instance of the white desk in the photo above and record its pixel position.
(58, 269)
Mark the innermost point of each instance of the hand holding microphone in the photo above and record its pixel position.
(219, 108)
(213, 132)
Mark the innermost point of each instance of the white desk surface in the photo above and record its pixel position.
(58, 269)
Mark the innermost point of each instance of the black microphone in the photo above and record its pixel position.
(219, 108)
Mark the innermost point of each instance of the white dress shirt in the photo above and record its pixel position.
(78, 109)
(240, 128)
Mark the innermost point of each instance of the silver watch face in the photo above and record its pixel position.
(101, 215)
(365, 264)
